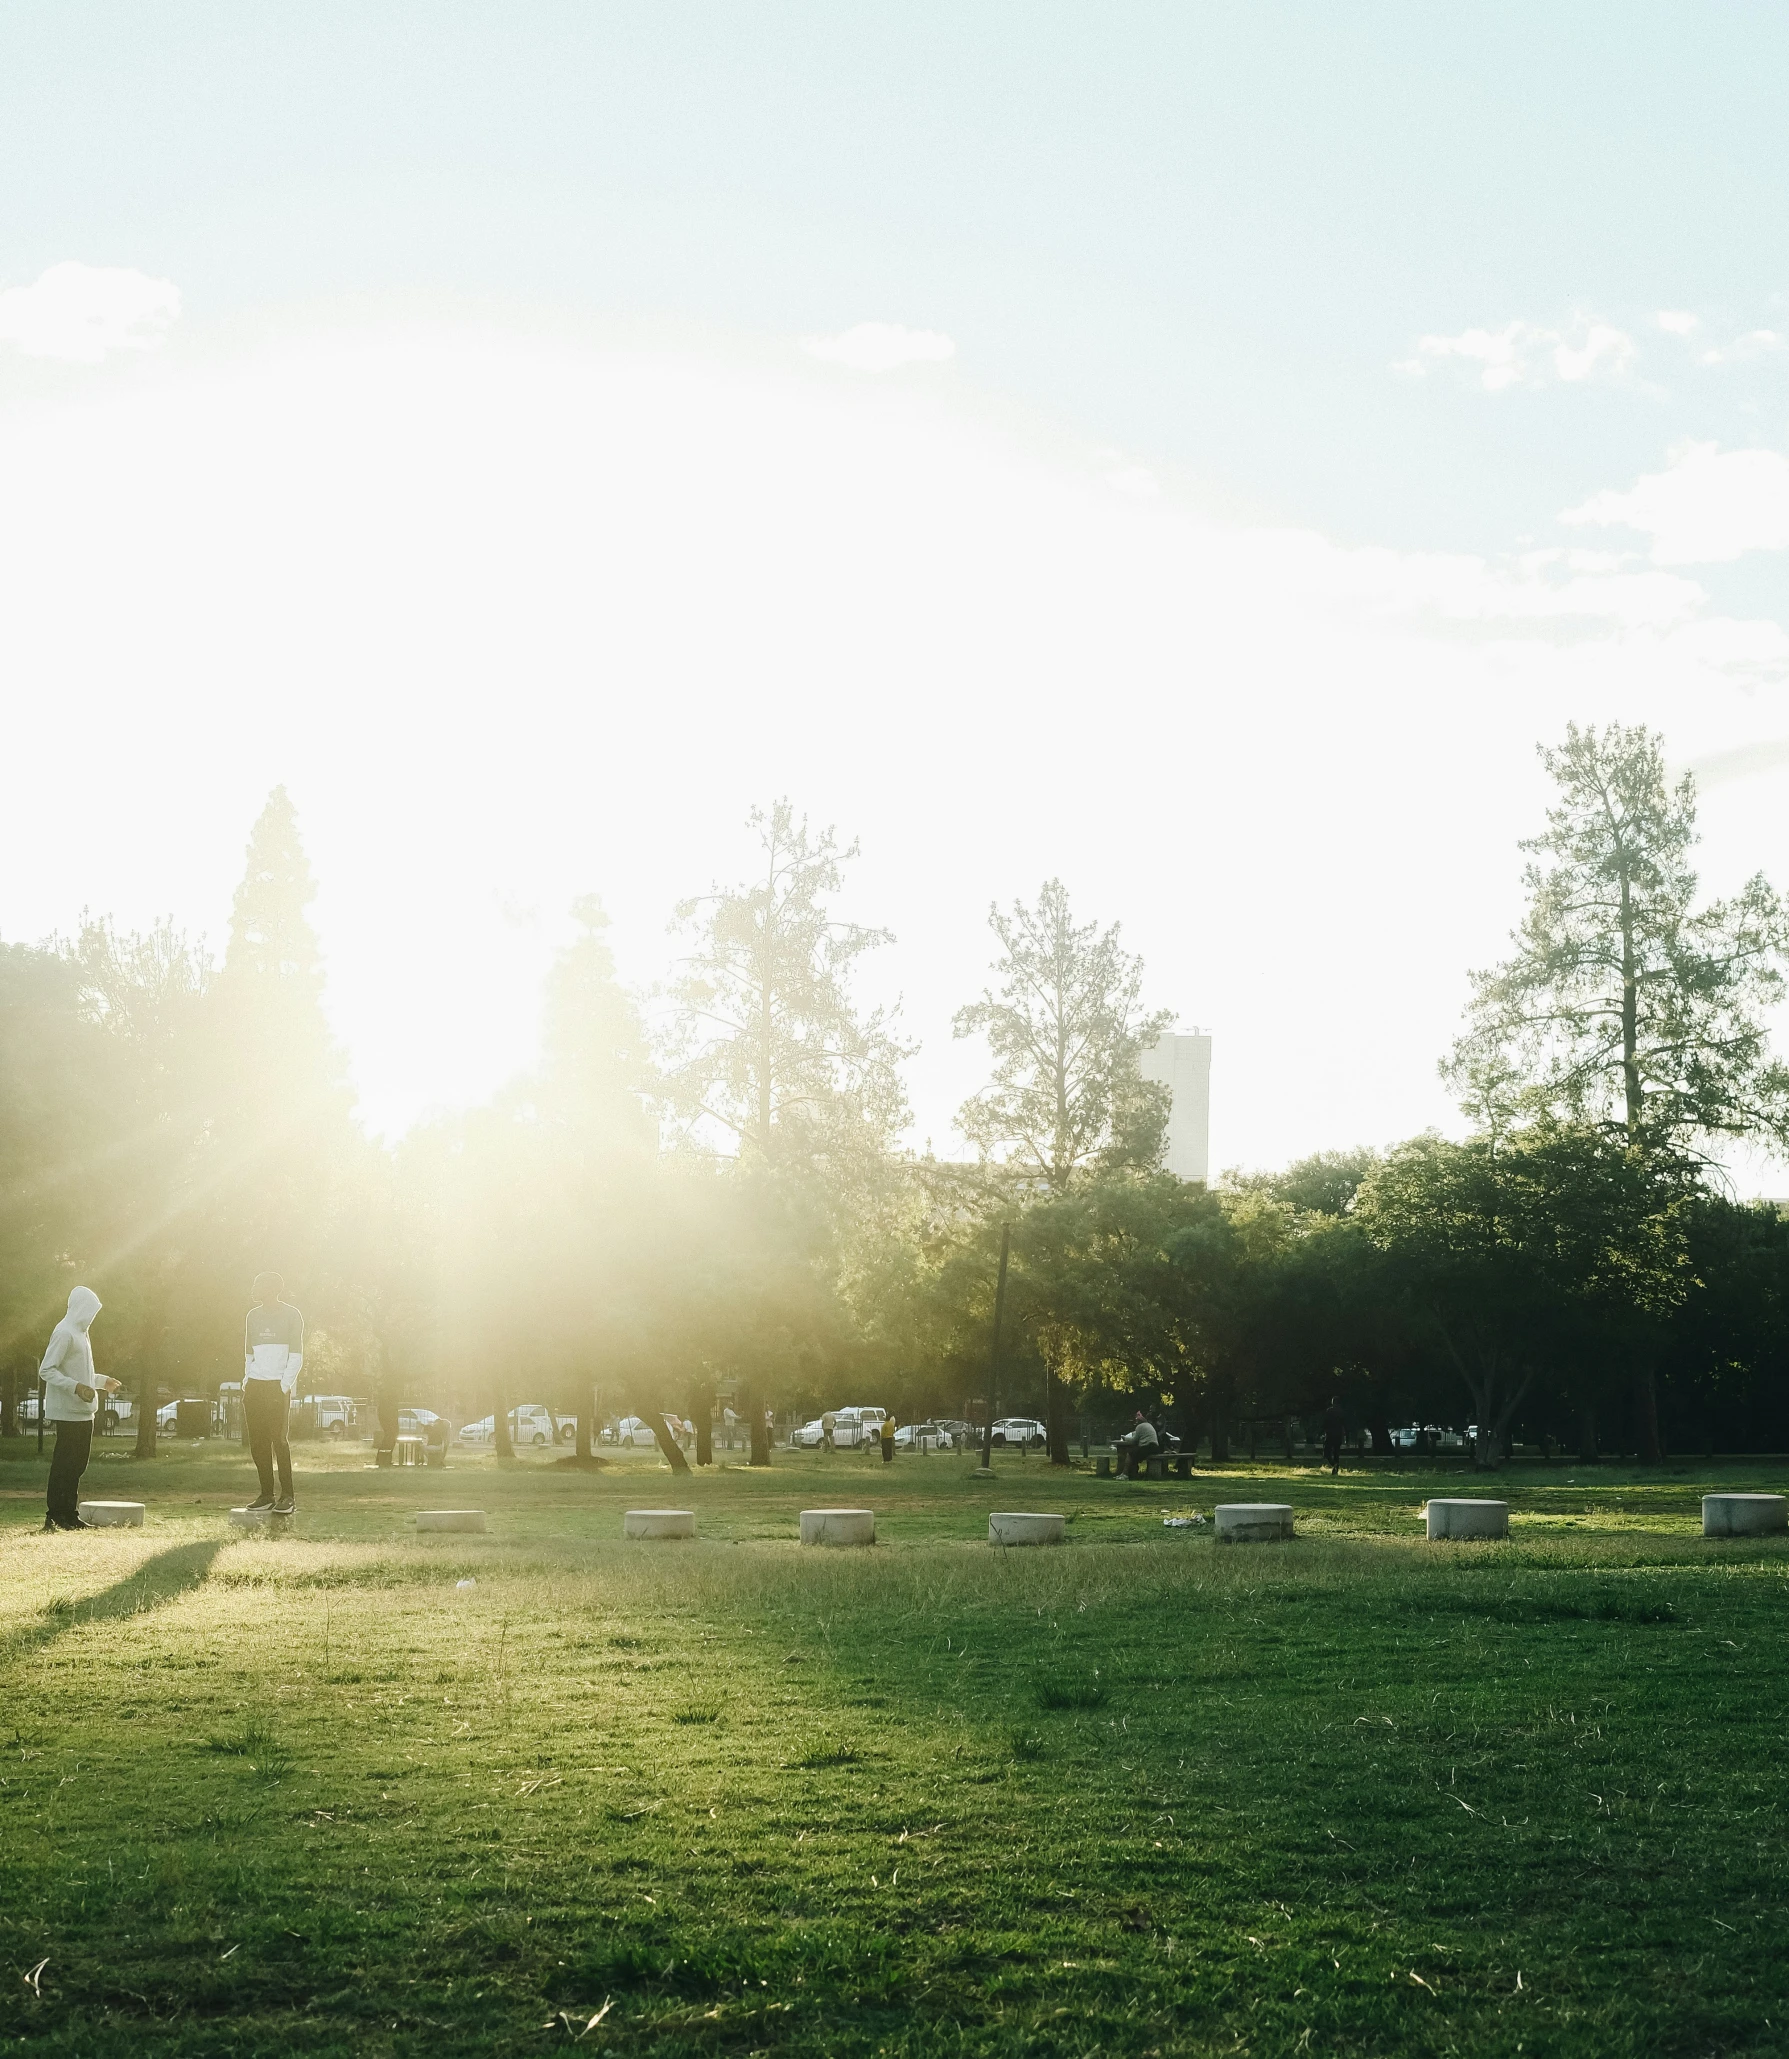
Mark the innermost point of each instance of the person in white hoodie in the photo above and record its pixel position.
(273, 1357)
(71, 1391)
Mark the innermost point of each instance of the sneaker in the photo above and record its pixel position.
(261, 1501)
(285, 1506)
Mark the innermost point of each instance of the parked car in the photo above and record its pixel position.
(852, 1428)
(331, 1415)
(529, 1423)
(1020, 1430)
(414, 1422)
(927, 1436)
(1417, 1435)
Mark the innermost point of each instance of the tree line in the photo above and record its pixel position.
(704, 1200)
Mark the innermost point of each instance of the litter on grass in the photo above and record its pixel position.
(465, 1586)
(1192, 1522)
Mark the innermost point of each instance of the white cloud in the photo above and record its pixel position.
(1676, 321)
(79, 312)
(1524, 354)
(881, 347)
(1707, 507)
(1755, 343)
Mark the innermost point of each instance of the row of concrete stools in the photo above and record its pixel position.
(1239, 1522)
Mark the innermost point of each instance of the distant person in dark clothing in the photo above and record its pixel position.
(1333, 1431)
(273, 1357)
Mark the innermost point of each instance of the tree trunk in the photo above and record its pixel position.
(753, 1412)
(500, 1437)
(1286, 1429)
(1379, 1426)
(1646, 1418)
(7, 1380)
(702, 1415)
(1220, 1427)
(145, 1447)
(1587, 1435)
(666, 1442)
(582, 1447)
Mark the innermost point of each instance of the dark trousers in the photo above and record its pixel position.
(74, 1445)
(264, 1403)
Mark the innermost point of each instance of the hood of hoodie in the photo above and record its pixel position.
(83, 1306)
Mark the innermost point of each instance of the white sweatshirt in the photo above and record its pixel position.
(68, 1362)
(273, 1344)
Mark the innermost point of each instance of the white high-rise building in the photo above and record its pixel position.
(1182, 1063)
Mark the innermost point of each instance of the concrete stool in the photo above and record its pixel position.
(259, 1519)
(658, 1523)
(838, 1526)
(1012, 1528)
(1740, 1515)
(112, 1515)
(407, 1451)
(450, 1519)
(1252, 1522)
(1468, 1519)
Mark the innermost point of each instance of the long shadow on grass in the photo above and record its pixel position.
(155, 1583)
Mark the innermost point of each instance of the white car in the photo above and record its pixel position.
(529, 1423)
(333, 1414)
(1019, 1430)
(923, 1437)
(414, 1422)
(632, 1433)
(851, 1428)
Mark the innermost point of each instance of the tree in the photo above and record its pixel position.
(1623, 1004)
(596, 1066)
(1502, 1248)
(1066, 1031)
(768, 1046)
(1325, 1183)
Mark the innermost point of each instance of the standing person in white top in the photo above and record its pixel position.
(71, 1390)
(273, 1357)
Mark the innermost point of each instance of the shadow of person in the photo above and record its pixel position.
(155, 1583)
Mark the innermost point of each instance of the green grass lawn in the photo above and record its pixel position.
(1141, 1794)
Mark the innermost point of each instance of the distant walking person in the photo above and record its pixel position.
(1333, 1429)
(273, 1357)
(71, 1390)
(887, 1433)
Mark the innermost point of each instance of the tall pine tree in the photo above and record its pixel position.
(284, 1098)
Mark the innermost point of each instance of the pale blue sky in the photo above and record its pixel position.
(483, 490)
(1203, 232)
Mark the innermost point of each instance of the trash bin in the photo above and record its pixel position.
(192, 1419)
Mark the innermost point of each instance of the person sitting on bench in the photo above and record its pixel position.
(1140, 1441)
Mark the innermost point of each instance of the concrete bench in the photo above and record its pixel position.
(1468, 1518)
(658, 1523)
(112, 1515)
(259, 1519)
(1252, 1522)
(450, 1519)
(1744, 1515)
(1010, 1527)
(838, 1526)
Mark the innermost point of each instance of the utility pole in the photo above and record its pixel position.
(987, 1435)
